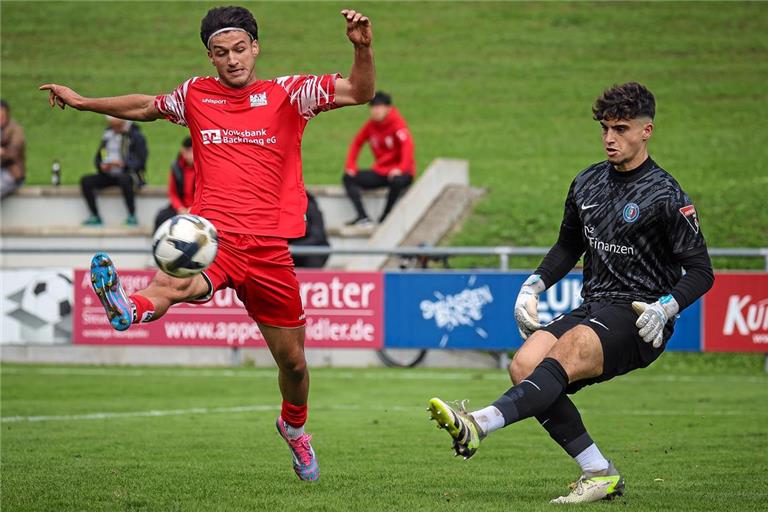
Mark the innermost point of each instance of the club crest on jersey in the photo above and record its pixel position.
(690, 216)
(258, 100)
(631, 212)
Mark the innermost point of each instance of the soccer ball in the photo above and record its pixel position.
(48, 297)
(185, 245)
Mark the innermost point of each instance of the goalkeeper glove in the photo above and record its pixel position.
(653, 318)
(526, 314)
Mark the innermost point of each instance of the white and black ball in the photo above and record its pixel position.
(185, 245)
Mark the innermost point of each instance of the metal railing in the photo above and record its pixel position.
(502, 252)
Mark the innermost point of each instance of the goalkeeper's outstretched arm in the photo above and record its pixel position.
(133, 107)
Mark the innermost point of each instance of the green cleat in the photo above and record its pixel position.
(603, 485)
(459, 424)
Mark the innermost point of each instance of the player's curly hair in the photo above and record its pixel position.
(223, 17)
(626, 101)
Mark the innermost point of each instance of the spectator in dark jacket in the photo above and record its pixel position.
(120, 162)
(315, 236)
(181, 184)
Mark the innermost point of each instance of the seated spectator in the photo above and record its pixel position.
(181, 184)
(315, 236)
(12, 153)
(390, 140)
(120, 162)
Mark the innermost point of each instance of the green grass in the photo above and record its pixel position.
(689, 433)
(507, 86)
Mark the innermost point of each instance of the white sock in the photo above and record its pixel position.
(293, 432)
(488, 419)
(591, 460)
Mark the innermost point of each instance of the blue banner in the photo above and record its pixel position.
(460, 310)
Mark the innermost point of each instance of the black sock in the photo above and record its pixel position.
(534, 394)
(563, 422)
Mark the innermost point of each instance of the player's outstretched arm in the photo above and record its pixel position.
(360, 85)
(134, 107)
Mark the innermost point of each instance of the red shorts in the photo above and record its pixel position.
(261, 271)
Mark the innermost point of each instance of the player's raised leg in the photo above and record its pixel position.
(577, 355)
(145, 305)
(287, 347)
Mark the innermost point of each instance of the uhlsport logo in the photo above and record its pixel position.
(631, 212)
(211, 136)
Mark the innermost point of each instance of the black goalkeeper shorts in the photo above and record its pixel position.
(614, 323)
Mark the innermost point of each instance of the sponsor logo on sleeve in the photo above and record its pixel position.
(690, 216)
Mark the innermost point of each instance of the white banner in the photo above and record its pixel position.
(36, 305)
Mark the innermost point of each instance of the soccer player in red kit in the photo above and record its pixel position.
(246, 136)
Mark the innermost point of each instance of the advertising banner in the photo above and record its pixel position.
(458, 310)
(344, 309)
(736, 313)
(36, 305)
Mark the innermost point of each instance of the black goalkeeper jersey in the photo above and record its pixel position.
(633, 228)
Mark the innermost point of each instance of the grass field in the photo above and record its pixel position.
(689, 433)
(507, 86)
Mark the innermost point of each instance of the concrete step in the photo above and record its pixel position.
(64, 206)
(73, 246)
(47, 219)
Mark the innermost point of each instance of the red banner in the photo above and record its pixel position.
(736, 313)
(344, 309)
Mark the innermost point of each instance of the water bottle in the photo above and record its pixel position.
(56, 173)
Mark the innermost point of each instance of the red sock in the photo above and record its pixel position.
(294, 415)
(144, 309)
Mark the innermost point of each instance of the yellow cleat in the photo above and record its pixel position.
(604, 485)
(459, 424)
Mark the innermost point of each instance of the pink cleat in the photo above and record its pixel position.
(304, 460)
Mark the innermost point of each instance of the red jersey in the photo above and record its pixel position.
(181, 198)
(391, 144)
(247, 146)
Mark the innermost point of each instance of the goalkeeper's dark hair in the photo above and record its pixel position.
(223, 17)
(625, 101)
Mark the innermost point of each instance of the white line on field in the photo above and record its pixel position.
(182, 412)
(410, 374)
(133, 414)
(340, 407)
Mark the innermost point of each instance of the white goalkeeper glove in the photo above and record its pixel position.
(526, 313)
(653, 318)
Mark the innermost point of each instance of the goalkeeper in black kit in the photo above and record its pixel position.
(637, 230)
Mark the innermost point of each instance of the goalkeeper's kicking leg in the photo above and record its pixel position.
(577, 356)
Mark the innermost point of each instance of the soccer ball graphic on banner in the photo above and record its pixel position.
(185, 245)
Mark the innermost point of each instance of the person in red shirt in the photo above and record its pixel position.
(246, 137)
(181, 184)
(387, 134)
